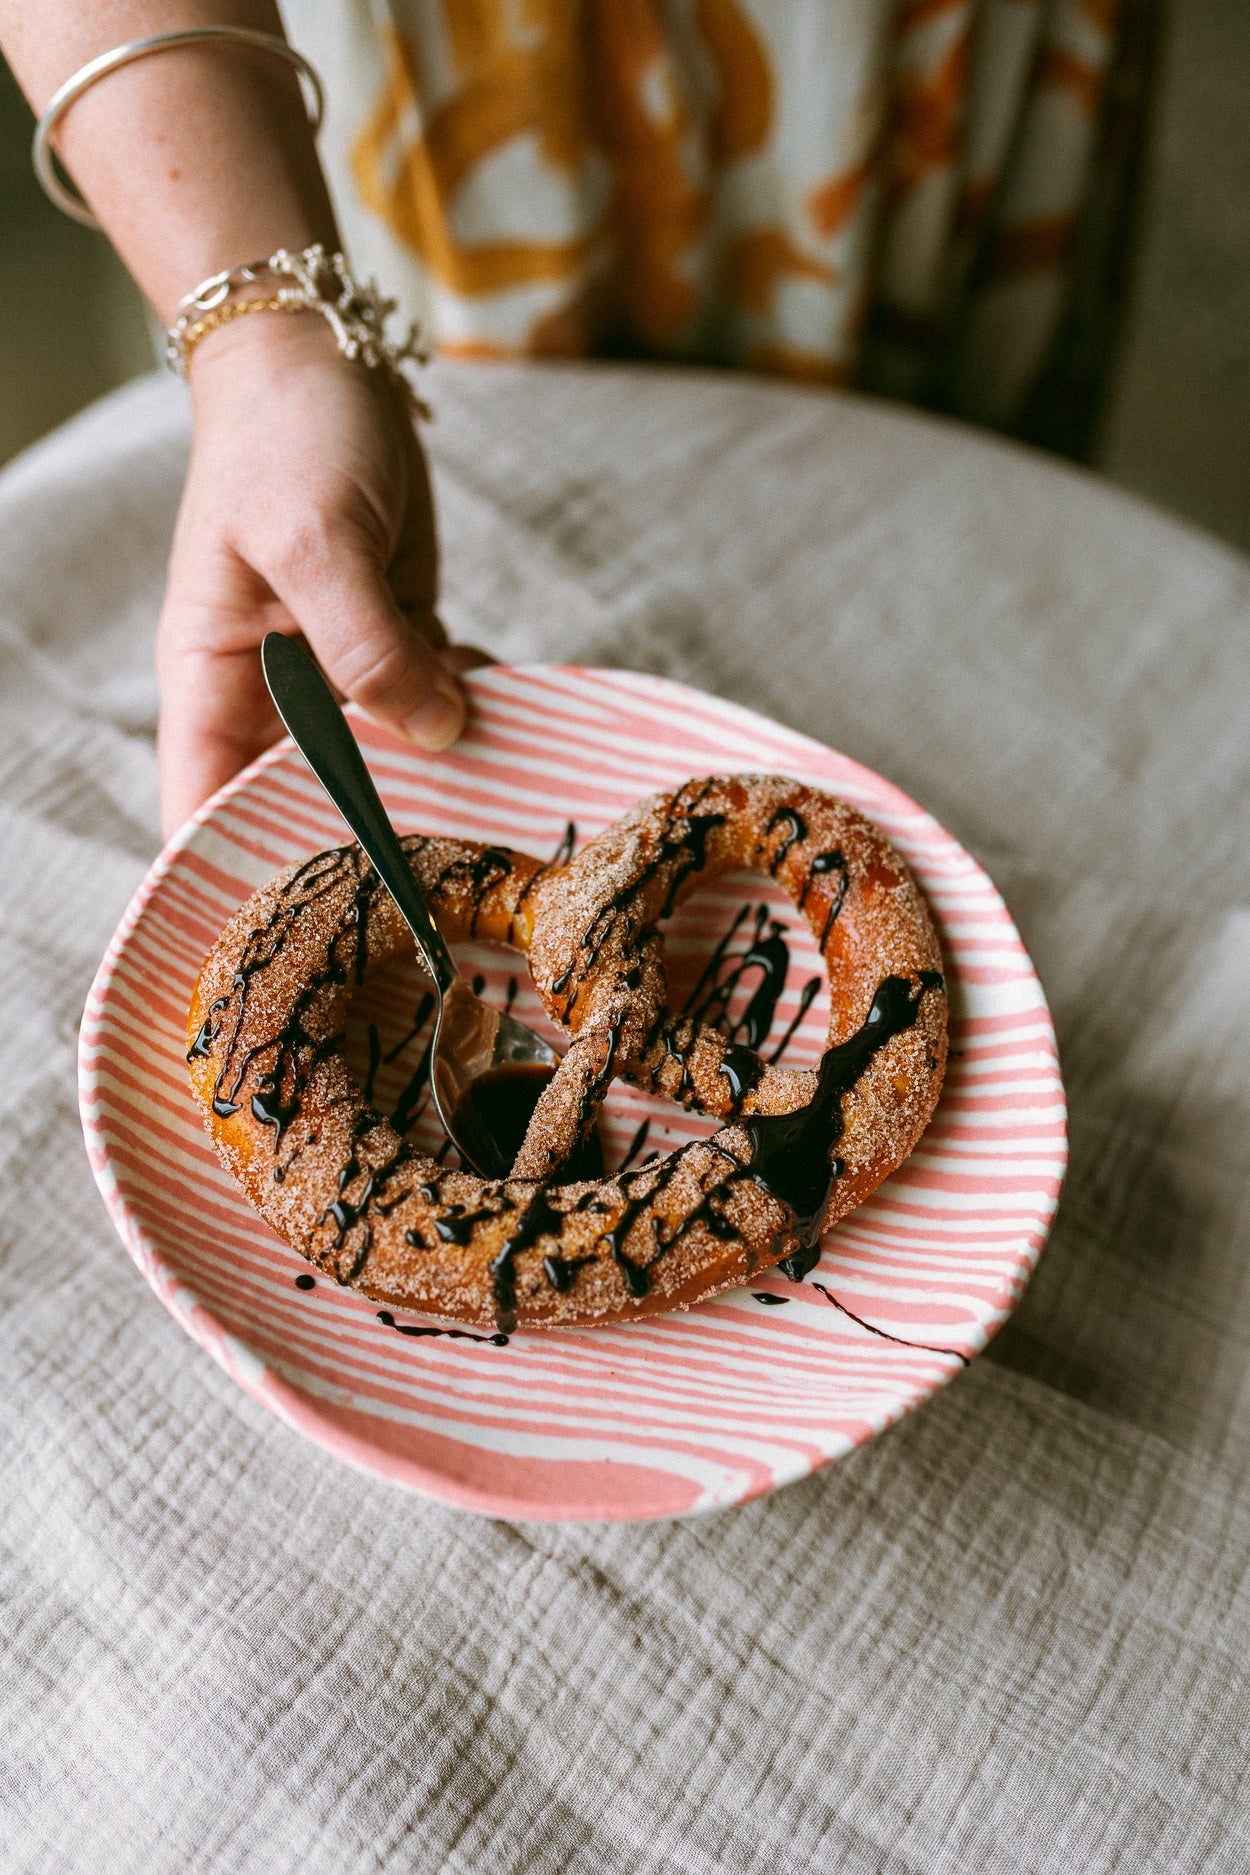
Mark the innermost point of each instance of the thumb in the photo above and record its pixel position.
(381, 657)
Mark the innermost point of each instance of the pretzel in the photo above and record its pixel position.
(536, 1249)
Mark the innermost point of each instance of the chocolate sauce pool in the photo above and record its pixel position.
(791, 1153)
(496, 1110)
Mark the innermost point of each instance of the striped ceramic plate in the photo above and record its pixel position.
(677, 1413)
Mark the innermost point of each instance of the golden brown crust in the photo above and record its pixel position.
(338, 1183)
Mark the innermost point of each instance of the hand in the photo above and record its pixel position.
(307, 510)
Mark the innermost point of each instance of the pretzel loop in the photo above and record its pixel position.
(335, 1179)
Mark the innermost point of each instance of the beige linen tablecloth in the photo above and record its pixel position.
(1011, 1635)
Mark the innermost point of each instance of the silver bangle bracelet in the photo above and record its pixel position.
(86, 76)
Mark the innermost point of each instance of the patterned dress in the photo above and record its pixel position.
(881, 191)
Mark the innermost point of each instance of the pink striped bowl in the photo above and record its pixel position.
(675, 1414)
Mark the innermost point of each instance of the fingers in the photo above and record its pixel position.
(216, 714)
(307, 510)
(216, 717)
(383, 658)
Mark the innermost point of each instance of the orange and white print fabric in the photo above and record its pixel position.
(749, 182)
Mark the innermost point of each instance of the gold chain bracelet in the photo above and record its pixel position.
(222, 316)
(310, 281)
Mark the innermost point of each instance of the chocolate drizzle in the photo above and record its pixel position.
(708, 1003)
(794, 828)
(636, 1274)
(771, 957)
(561, 857)
(424, 1010)
(766, 952)
(408, 1106)
(270, 1110)
(705, 1213)
(455, 1225)
(636, 1145)
(366, 887)
(807, 996)
(375, 1061)
(742, 1068)
(346, 1213)
(202, 1047)
(678, 1034)
(711, 970)
(477, 874)
(681, 846)
(284, 1061)
(821, 867)
(418, 1331)
(641, 1192)
(562, 1272)
(538, 1219)
(288, 1056)
(884, 1333)
(599, 1084)
(790, 1152)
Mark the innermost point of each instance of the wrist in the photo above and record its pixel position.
(229, 311)
(262, 351)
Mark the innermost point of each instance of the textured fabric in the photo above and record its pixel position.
(1011, 1635)
(738, 181)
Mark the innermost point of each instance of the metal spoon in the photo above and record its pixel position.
(471, 1040)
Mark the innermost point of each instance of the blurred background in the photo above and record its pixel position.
(1173, 421)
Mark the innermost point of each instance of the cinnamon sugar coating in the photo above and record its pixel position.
(334, 1179)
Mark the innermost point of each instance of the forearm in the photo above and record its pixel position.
(193, 160)
(307, 506)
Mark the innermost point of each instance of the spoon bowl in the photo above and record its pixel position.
(487, 1072)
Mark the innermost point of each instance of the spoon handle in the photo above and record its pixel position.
(320, 730)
